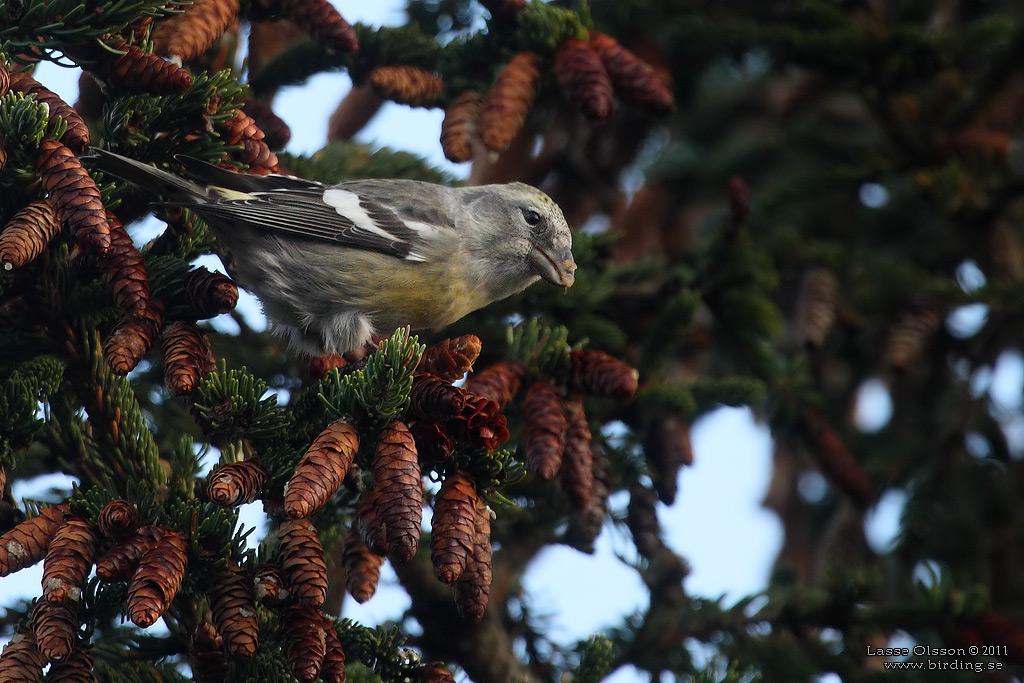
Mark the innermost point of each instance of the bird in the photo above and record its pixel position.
(334, 265)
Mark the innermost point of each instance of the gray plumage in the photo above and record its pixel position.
(333, 265)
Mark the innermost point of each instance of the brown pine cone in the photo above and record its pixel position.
(585, 525)
(241, 129)
(544, 429)
(459, 128)
(499, 382)
(583, 79)
(836, 461)
(77, 134)
(453, 526)
(319, 366)
(406, 84)
(194, 31)
(120, 561)
(236, 483)
(509, 101)
(321, 20)
(667, 448)
(302, 560)
(27, 234)
(642, 519)
(398, 487)
(322, 469)
(473, 587)
(911, 335)
(269, 585)
(450, 359)
(124, 269)
(55, 627)
(131, 68)
(68, 560)
(234, 612)
(206, 655)
(276, 131)
(26, 543)
(129, 341)
(188, 357)
(118, 518)
(21, 661)
(333, 670)
(5, 79)
(362, 566)
(634, 79)
(208, 294)
(433, 442)
(73, 195)
(577, 471)
(157, 578)
(433, 398)
(368, 525)
(600, 374)
(815, 306)
(480, 423)
(77, 667)
(433, 673)
(303, 632)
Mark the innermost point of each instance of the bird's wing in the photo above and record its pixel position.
(395, 218)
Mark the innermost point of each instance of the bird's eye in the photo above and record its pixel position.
(531, 217)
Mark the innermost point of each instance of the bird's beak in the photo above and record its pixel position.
(558, 269)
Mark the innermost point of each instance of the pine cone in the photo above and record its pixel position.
(68, 560)
(577, 471)
(206, 655)
(73, 195)
(450, 359)
(333, 670)
(269, 585)
(642, 519)
(5, 79)
(509, 101)
(276, 131)
(406, 84)
(459, 128)
(21, 661)
(433, 398)
(124, 269)
(667, 448)
(130, 340)
(321, 20)
(303, 632)
(157, 578)
(27, 234)
(120, 561)
(130, 68)
(911, 334)
(208, 294)
(55, 627)
(322, 469)
(585, 525)
(188, 357)
(596, 372)
(544, 429)
(234, 612)
(433, 673)
(583, 79)
(118, 518)
(361, 565)
(433, 442)
(398, 487)
(499, 382)
(480, 423)
(26, 543)
(473, 587)
(236, 483)
(453, 526)
(634, 79)
(77, 134)
(241, 129)
(194, 31)
(836, 462)
(368, 525)
(77, 667)
(816, 307)
(302, 560)
(319, 366)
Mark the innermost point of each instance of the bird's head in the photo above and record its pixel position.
(533, 240)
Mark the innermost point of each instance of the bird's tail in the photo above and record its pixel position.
(167, 186)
